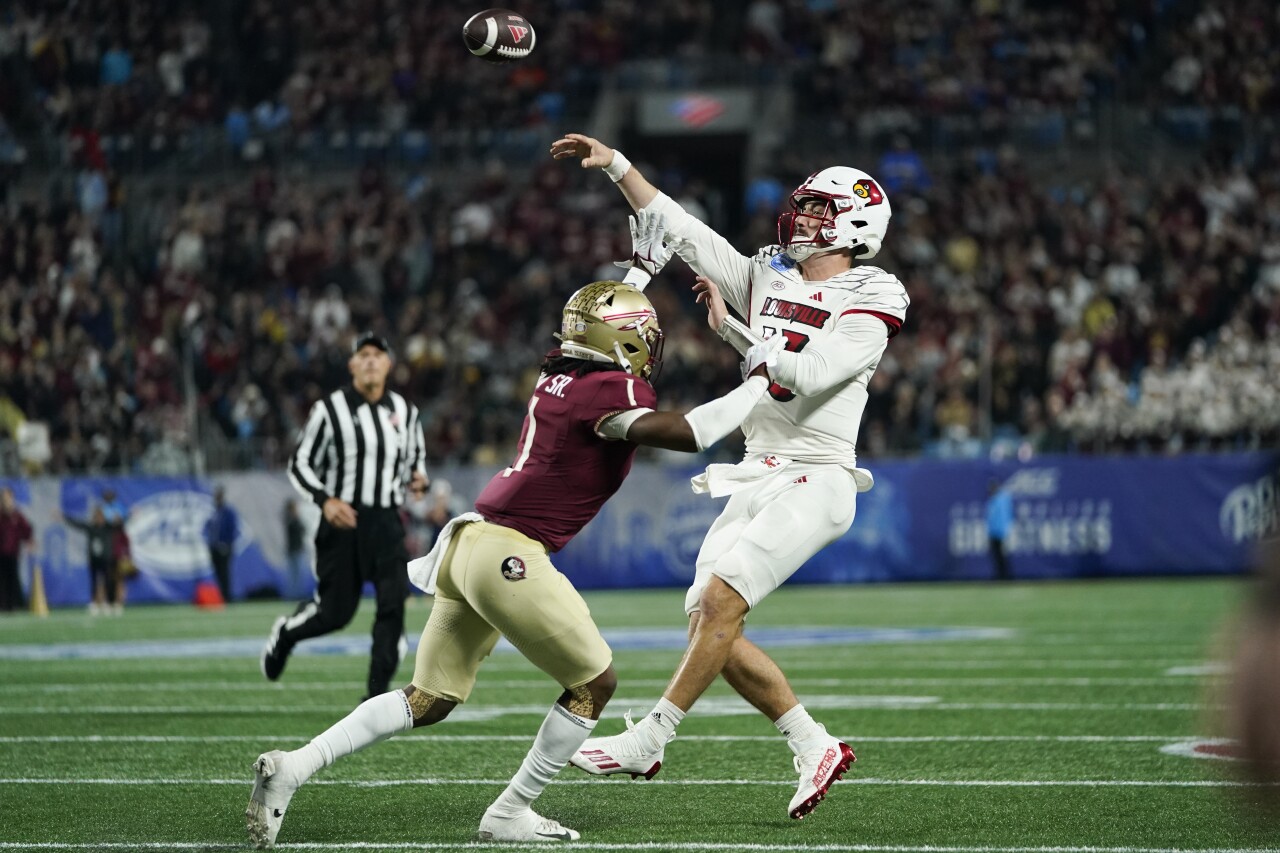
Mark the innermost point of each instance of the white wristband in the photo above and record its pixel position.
(713, 421)
(637, 277)
(618, 166)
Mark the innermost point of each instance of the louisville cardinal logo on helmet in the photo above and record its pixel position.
(867, 189)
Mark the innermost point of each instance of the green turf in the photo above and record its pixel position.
(1017, 742)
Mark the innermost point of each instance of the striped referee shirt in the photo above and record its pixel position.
(360, 452)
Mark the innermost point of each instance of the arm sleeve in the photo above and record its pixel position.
(417, 450)
(614, 427)
(76, 523)
(707, 252)
(616, 394)
(857, 342)
(712, 421)
(306, 465)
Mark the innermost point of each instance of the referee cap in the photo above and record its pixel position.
(371, 338)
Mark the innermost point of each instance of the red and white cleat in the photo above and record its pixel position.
(625, 753)
(820, 766)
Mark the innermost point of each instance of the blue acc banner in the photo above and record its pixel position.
(924, 520)
(165, 520)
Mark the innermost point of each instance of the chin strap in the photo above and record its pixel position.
(578, 351)
(622, 359)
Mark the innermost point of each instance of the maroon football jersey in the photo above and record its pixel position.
(564, 472)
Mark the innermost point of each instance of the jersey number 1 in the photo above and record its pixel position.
(795, 342)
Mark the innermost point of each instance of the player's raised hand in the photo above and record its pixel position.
(763, 355)
(592, 152)
(709, 293)
(650, 250)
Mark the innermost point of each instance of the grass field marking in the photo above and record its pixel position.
(1171, 680)
(617, 845)
(1200, 669)
(429, 738)
(790, 783)
(587, 845)
(619, 639)
(860, 657)
(730, 707)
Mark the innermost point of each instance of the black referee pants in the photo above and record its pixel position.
(374, 551)
(11, 597)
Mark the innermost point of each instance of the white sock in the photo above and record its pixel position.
(797, 726)
(560, 736)
(660, 725)
(373, 720)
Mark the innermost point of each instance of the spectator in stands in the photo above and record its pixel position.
(15, 531)
(96, 318)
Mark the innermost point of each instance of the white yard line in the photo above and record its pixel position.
(731, 847)
(483, 712)
(789, 783)
(1172, 679)
(427, 739)
(725, 706)
(621, 846)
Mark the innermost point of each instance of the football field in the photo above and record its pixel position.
(1023, 717)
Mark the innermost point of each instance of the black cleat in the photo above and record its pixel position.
(275, 654)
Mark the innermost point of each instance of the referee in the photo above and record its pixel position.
(361, 448)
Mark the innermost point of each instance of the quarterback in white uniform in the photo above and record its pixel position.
(795, 491)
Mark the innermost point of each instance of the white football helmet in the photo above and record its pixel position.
(856, 215)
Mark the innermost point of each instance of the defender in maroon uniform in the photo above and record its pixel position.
(490, 573)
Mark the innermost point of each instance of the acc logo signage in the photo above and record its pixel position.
(681, 526)
(1251, 511)
(166, 534)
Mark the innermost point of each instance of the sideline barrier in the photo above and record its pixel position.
(924, 520)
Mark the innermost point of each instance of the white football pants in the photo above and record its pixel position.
(770, 528)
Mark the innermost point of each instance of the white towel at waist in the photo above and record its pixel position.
(722, 479)
(422, 571)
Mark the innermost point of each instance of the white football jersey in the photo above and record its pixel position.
(836, 331)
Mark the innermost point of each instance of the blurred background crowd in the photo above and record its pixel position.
(200, 204)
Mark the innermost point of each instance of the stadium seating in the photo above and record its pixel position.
(226, 197)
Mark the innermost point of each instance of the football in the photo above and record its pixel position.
(499, 35)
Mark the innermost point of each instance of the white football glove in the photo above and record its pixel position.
(649, 251)
(765, 353)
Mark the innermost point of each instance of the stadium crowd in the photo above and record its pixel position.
(1116, 310)
(152, 70)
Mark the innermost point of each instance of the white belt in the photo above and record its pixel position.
(722, 479)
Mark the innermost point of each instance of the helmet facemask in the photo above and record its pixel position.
(609, 321)
(855, 215)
